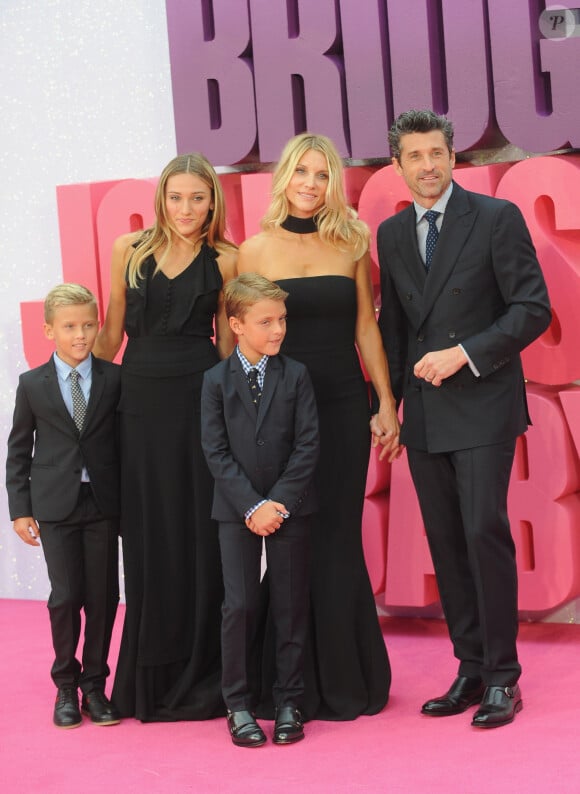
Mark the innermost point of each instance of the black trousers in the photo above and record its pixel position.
(288, 560)
(463, 500)
(81, 556)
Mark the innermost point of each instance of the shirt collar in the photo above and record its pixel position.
(260, 366)
(63, 369)
(439, 206)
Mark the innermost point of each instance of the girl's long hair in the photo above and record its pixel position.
(159, 237)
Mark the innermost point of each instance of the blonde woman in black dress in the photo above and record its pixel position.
(313, 245)
(166, 293)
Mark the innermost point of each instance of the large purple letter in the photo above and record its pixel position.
(535, 82)
(213, 96)
(298, 80)
(438, 61)
(368, 82)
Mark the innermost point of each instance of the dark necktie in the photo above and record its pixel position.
(255, 390)
(432, 236)
(78, 400)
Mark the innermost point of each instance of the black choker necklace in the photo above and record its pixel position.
(299, 225)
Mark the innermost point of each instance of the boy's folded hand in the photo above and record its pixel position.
(267, 518)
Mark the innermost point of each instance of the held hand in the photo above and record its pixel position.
(27, 529)
(385, 429)
(393, 453)
(267, 518)
(376, 430)
(434, 367)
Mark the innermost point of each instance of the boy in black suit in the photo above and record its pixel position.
(62, 478)
(260, 438)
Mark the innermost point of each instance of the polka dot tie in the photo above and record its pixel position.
(78, 400)
(432, 236)
(254, 386)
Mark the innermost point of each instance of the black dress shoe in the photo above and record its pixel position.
(499, 706)
(100, 709)
(66, 708)
(244, 729)
(463, 693)
(289, 726)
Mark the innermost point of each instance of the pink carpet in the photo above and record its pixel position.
(396, 751)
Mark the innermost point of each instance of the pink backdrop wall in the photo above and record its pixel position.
(544, 499)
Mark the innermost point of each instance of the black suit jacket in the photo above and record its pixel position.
(485, 290)
(46, 453)
(271, 454)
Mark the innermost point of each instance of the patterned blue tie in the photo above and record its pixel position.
(255, 390)
(78, 400)
(432, 236)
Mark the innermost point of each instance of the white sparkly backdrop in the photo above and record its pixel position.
(85, 96)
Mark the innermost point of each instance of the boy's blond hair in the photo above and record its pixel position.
(242, 292)
(67, 295)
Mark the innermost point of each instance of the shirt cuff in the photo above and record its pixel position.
(472, 366)
(253, 509)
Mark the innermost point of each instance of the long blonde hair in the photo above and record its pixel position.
(160, 235)
(337, 222)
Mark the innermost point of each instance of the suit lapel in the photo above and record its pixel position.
(273, 372)
(457, 224)
(240, 381)
(98, 380)
(54, 394)
(407, 243)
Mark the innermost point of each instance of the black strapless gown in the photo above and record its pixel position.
(169, 665)
(348, 671)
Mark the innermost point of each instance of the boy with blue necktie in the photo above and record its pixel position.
(62, 478)
(260, 439)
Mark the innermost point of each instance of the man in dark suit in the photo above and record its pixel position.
(462, 295)
(62, 478)
(260, 438)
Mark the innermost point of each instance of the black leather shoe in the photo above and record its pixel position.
(499, 706)
(66, 708)
(244, 729)
(463, 693)
(100, 709)
(289, 726)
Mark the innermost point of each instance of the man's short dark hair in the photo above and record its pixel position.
(418, 121)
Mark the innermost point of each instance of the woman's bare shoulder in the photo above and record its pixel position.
(227, 263)
(256, 242)
(126, 241)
